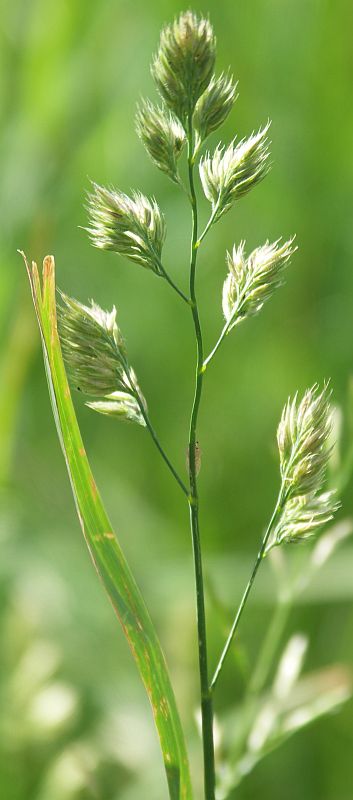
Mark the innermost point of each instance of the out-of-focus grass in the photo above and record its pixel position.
(70, 75)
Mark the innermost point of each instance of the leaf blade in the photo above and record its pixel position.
(103, 546)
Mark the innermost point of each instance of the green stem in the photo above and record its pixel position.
(258, 560)
(234, 318)
(218, 343)
(163, 454)
(154, 436)
(209, 224)
(206, 695)
(165, 275)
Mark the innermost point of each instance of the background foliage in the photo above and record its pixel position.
(74, 722)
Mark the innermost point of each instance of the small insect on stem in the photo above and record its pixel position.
(198, 458)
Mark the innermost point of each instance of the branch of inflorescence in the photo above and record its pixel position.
(153, 433)
(259, 558)
(164, 274)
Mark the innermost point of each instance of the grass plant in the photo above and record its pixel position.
(193, 103)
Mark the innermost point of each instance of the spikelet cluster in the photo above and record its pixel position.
(303, 441)
(252, 280)
(183, 65)
(120, 405)
(131, 226)
(213, 107)
(95, 354)
(303, 516)
(162, 135)
(229, 173)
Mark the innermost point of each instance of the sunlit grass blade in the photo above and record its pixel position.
(103, 546)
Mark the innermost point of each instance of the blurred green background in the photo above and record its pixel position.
(75, 724)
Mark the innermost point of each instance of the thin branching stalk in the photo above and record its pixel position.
(172, 284)
(219, 341)
(209, 224)
(206, 695)
(162, 452)
(276, 514)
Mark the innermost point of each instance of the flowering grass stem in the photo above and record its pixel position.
(206, 695)
(194, 104)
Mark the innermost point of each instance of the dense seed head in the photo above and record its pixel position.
(92, 346)
(213, 107)
(303, 441)
(162, 135)
(302, 436)
(131, 226)
(95, 354)
(183, 65)
(230, 173)
(252, 280)
(120, 405)
(303, 516)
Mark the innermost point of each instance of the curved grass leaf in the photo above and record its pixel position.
(103, 546)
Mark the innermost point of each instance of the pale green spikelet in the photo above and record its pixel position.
(252, 280)
(303, 516)
(92, 346)
(213, 107)
(95, 354)
(183, 65)
(120, 405)
(131, 226)
(230, 173)
(162, 135)
(303, 438)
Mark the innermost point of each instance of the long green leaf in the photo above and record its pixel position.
(103, 546)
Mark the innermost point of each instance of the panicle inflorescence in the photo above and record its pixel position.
(95, 353)
(131, 226)
(303, 438)
(162, 135)
(183, 65)
(252, 280)
(195, 103)
(304, 515)
(230, 173)
(213, 107)
(120, 405)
